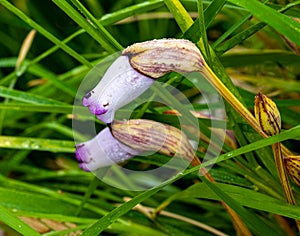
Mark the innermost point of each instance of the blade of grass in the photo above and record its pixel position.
(105, 36)
(37, 108)
(45, 33)
(202, 30)
(15, 223)
(232, 29)
(251, 220)
(27, 97)
(292, 133)
(279, 22)
(121, 14)
(26, 143)
(254, 57)
(113, 215)
(182, 17)
(240, 37)
(212, 11)
(98, 32)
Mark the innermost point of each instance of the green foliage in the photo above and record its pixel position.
(243, 41)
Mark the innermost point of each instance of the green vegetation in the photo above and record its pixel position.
(251, 46)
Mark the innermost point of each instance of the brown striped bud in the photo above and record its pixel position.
(155, 58)
(147, 135)
(267, 114)
(292, 165)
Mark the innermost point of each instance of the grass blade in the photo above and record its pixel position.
(14, 222)
(45, 33)
(283, 24)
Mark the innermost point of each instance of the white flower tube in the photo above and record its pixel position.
(120, 85)
(102, 150)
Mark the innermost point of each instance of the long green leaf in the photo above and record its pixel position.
(97, 34)
(112, 216)
(27, 97)
(44, 32)
(40, 144)
(15, 223)
(283, 24)
(249, 218)
(254, 57)
(289, 134)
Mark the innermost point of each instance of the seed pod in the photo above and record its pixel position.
(147, 135)
(267, 114)
(155, 58)
(102, 150)
(292, 164)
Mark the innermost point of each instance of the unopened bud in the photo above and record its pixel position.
(267, 114)
(292, 165)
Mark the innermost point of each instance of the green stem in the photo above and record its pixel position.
(283, 177)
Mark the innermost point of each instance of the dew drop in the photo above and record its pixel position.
(35, 145)
(26, 144)
(7, 143)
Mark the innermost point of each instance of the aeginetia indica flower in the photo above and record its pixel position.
(126, 139)
(292, 164)
(267, 114)
(136, 70)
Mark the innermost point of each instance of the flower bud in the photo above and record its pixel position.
(267, 114)
(292, 165)
(147, 135)
(102, 150)
(155, 58)
(120, 85)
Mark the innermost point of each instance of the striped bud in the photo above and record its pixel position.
(267, 114)
(292, 165)
(155, 58)
(147, 135)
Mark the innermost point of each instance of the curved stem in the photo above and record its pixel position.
(236, 104)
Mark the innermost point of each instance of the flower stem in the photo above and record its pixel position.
(283, 177)
(239, 225)
(236, 104)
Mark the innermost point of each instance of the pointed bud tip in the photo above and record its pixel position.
(267, 114)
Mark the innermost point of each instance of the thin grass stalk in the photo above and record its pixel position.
(175, 6)
(239, 225)
(288, 193)
(236, 104)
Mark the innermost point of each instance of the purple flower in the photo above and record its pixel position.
(120, 85)
(102, 150)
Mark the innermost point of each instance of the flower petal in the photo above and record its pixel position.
(120, 85)
(102, 150)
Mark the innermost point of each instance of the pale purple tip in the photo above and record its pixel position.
(102, 150)
(120, 85)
